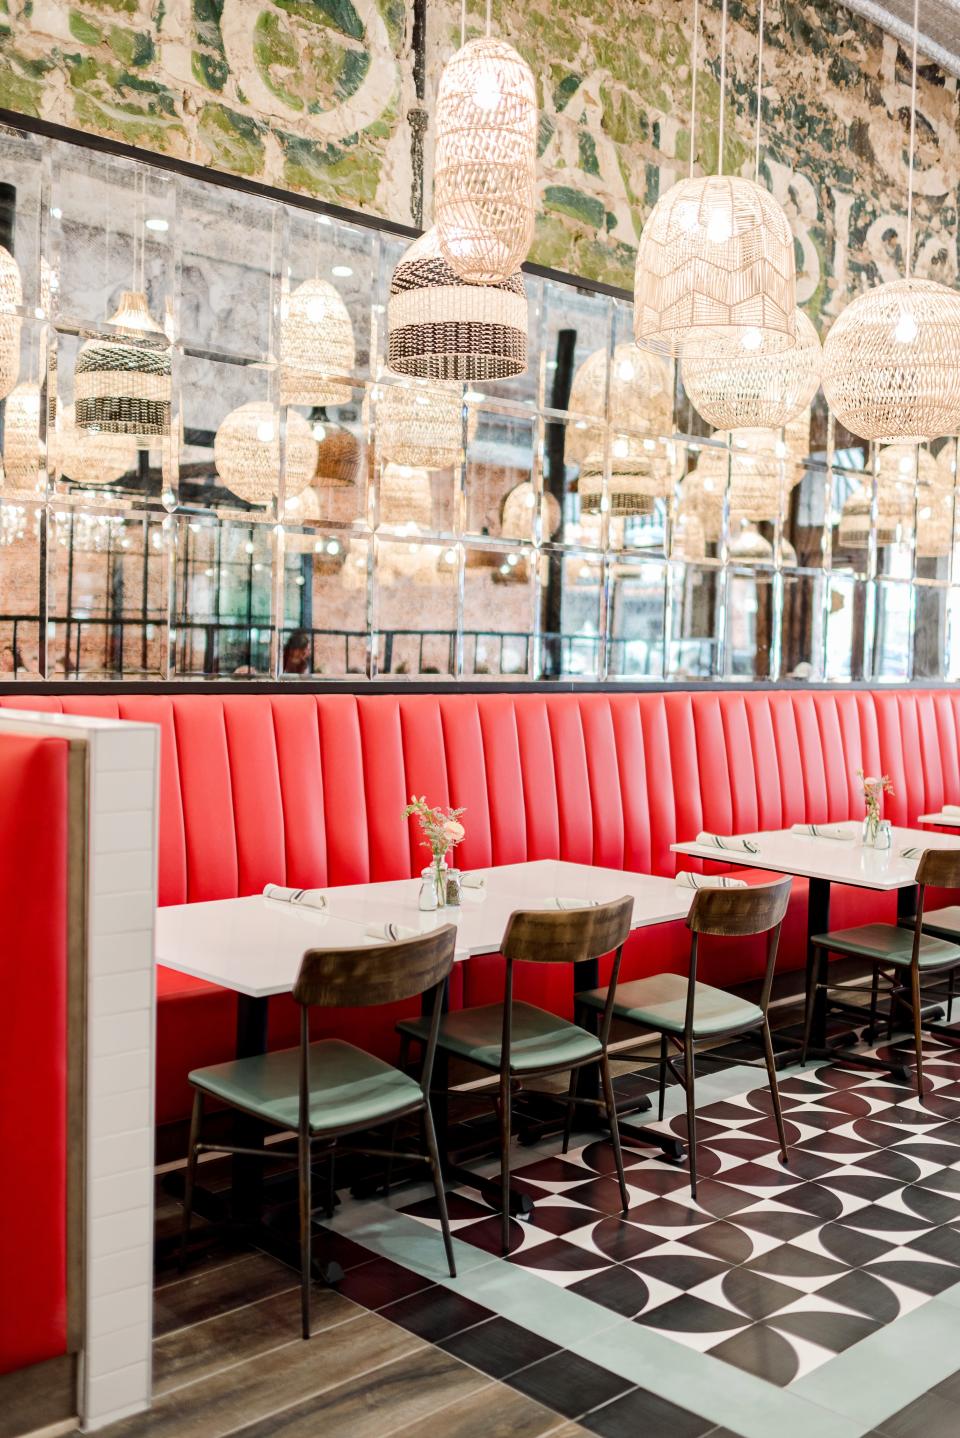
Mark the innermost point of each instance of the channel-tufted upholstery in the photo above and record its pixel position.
(307, 789)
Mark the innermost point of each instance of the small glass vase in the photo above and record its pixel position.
(868, 834)
(440, 879)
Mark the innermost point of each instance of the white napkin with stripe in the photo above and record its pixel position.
(306, 898)
(731, 842)
(473, 881)
(687, 880)
(952, 809)
(912, 852)
(823, 831)
(390, 933)
(564, 903)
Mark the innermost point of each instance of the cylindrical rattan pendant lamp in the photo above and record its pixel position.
(441, 328)
(122, 386)
(891, 362)
(484, 184)
(11, 298)
(715, 260)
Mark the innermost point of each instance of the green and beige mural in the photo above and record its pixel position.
(334, 98)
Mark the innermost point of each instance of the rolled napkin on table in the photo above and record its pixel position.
(473, 881)
(562, 903)
(952, 809)
(305, 898)
(732, 842)
(912, 852)
(390, 933)
(687, 880)
(823, 831)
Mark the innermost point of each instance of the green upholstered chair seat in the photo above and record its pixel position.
(660, 1002)
(539, 1040)
(889, 944)
(348, 1088)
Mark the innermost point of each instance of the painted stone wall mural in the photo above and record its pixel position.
(334, 98)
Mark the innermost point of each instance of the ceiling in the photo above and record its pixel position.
(939, 26)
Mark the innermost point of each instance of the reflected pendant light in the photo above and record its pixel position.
(406, 499)
(338, 455)
(688, 541)
(935, 524)
(419, 425)
(639, 397)
(518, 511)
(906, 475)
(715, 259)
(246, 452)
(91, 456)
(317, 350)
(734, 389)
(11, 298)
(760, 465)
(635, 480)
(484, 187)
(856, 520)
(440, 328)
(891, 362)
(122, 386)
(23, 449)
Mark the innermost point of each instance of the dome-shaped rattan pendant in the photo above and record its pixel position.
(485, 166)
(715, 263)
(317, 348)
(441, 328)
(734, 388)
(122, 386)
(11, 298)
(891, 363)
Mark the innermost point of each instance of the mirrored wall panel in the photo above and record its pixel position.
(211, 471)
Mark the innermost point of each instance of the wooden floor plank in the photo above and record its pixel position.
(210, 1292)
(239, 1396)
(189, 1354)
(405, 1393)
(495, 1412)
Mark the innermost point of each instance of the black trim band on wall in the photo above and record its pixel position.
(241, 183)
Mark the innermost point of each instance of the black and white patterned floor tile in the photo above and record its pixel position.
(775, 1270)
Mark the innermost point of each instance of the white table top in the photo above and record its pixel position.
(842, 861)
(254, 946)
(949, 821)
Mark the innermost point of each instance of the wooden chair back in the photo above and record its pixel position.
(737, 913)
(376, 974)
(940, 867)
(566, 936)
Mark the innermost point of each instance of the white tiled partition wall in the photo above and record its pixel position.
(118, 1219)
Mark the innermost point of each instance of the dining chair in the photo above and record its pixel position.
(521, 1042)
(330, 1089)
(900, 956)
(685, 1012)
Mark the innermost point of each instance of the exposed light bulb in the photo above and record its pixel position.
(906, 330)
(319, 432)
(751, 339)
(718, 227)
(265, 431)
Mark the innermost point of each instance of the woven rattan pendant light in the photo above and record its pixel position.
(639, 397)
(91, 456)
(316, 346)
(688, 542)
(122, 386)
(338, 455)
(486, 156)
(761, 467)
(715, 259)
(11, 298)
(733, 389)
(935, 520)
(856, 520)
(419, 425)
(891, 362)
(518, 510)
(23, 449)
(406, 499)
(246, 452)
(441, 328)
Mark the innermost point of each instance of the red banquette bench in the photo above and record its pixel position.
(307, 789)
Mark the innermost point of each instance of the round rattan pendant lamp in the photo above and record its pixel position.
(486, 156)
(316, 346)
(122, 386)
(518, 509)
(715, 260)
(11, 298)
(891, 362)
(338, 454)
(441, 328)
(733, 389)
(639, 398)
(89, 456)
(23, 449)
(246, 452)
(761, 467)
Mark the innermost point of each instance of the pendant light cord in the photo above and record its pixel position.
(756, 161)
(723, 77)
(489, 17)
(463, 23)
(693, 83)
(913, 138)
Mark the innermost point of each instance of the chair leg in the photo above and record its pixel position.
(434, 1157)
(664, 1052)
(874, 997)
(568, 1118)
(774, 1089)
(917, 1017)
(191, 1178)
(332, 1182)
(690, 1085)
(505, 1162)
(811, 1005)
(306, 1210)
(388, 1166)
(950, 995)
(611, 1107)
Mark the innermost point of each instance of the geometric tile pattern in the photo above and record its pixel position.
(772, 1269)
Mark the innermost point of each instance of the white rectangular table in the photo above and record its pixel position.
(831, 861)
(947, 821)
(254, 946)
